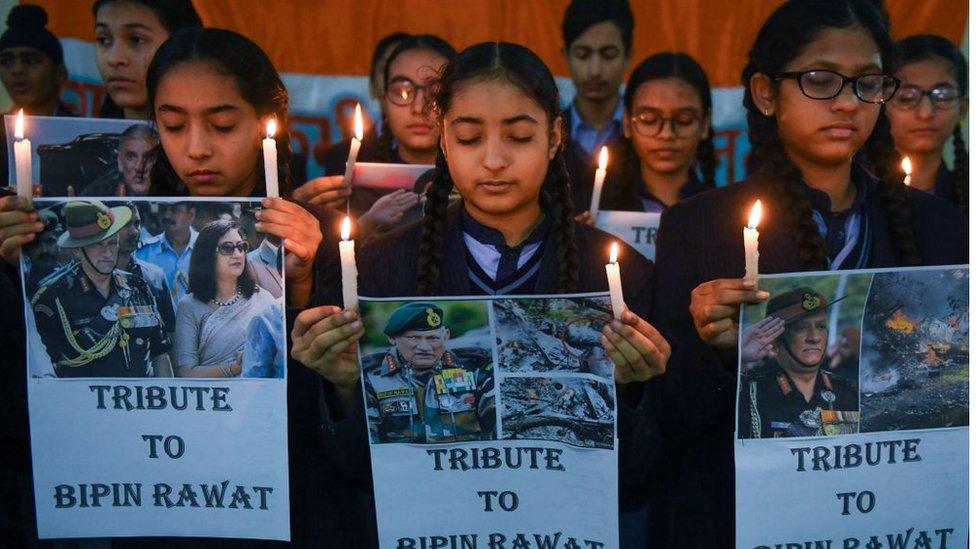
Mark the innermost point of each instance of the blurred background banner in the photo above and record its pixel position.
(323, 48)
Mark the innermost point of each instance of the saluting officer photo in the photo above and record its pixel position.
(787, 389)
(95, 320)
(424, 387)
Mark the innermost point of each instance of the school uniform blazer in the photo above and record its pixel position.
(700, 239)
(387, 268)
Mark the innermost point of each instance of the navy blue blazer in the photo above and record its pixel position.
(700, 239)
(387, 268)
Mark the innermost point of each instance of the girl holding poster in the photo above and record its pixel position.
(212, 93)
(927, 110)
(816, 83)
(408, 135)
(497, 108)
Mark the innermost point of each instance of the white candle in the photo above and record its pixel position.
(271, 160)
(601, 174)
(906, 166)
(347, 258)
(750, 239)
(613, 281)
(22, 158)
(357, 141)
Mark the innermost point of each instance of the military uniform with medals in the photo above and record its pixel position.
(85, 333)
(771, 406)
(450, 402)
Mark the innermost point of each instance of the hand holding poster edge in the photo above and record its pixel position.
(559, 391)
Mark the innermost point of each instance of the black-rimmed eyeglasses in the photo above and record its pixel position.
(826, 84)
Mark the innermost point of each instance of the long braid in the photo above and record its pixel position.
(706, 159)
(882, 159)
(775, 165)
(430, 253)
(384, 144)
(563, 228)
(960, 169)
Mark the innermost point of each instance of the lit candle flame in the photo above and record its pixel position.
(346, 228)
(604, 157)
(19, 125)
(756, 215)
(272, 128)
(906, 165)
(359, 122)
(613, 253)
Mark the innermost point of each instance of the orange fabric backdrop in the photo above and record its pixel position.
(337, 36)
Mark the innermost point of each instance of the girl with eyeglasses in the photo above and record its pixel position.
(928, 109)
(408, 136)
(212, 320)
(826, 172)
(668, 136)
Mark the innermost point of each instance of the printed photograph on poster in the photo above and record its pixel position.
(428, 371)
(800, 356)
(553, 335)
(376, 175)
(153, 288)
(915, 354)
(94, 156)
(639, 229)
(575, 410)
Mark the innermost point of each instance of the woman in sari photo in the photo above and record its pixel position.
(211, 321)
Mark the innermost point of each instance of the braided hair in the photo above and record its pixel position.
(674, 65)
(517, 65)
(429, 42)
(236, 56)
(782, 37)
(924, 47)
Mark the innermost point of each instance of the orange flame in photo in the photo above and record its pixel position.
(900, 322)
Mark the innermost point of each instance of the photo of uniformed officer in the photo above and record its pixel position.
(94, 319)
(786, 388)
(422, 387)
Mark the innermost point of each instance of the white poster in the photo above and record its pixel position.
(492, 421)
(149, 416)
(639, 229)
(853, 416)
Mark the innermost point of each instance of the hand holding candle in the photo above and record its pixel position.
(347, 257)
(601, 174)
(750, 238)
(613, 281)
(906, 166)
(22, 159)
(271, 160)
(357, 141)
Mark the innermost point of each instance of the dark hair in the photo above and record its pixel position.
(436, 44)
(787, 31)
(381, 47)
(676, 65)
(233, 55)
(203, 263)
(580, 15)
(923, 47)
(173, 15)
(517, 65)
